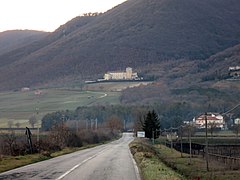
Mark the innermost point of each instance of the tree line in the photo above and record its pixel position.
(171, 115)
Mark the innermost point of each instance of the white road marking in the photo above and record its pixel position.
(81, 163)
(135, 166)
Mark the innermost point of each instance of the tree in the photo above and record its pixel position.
(212, 127)
(59, 135)
(188, 130)
(32, 120)
(17, 124)
(236, 129)
(140, 114)
(10, 141)
(10, 124)
(114, 123)
(151, 125)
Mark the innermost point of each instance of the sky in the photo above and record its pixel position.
(47, 15)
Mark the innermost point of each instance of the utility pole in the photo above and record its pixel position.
(77, 126)
(171, 139)
(181, 131)
(96, 124)
(206, 142)
(124, 126)
(86, 124)
(37, 112)
(29, 139)
(190, 143)
(153, 137)
(91, 124)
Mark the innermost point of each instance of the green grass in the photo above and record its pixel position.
(9, 162)
(151, 167)
(19, 106)
(228, 138)
(12, 162)
(194, 169)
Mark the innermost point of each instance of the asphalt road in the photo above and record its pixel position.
(111, 161)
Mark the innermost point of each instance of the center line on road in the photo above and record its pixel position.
(81, 163)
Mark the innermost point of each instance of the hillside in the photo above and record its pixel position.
(136, 33)
(202, 83)
(14, 39)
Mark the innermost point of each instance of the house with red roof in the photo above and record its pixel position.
(215, 119)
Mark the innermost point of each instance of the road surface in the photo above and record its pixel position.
(111, 161)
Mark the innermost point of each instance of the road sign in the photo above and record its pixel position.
(141, 134)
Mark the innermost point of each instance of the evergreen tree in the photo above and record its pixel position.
(151, 125)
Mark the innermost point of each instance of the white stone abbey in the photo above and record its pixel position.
(121, 75)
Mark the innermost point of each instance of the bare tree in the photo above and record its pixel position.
(236, 129)
(139, 119)
(212, 127)
(10, 140)
(189, 130)
(59, 135)
(10, 124)
(17, 124)
(32, 120)
(114, 123)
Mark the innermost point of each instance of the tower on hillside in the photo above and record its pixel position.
(128, 73)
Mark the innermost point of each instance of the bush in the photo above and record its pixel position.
(73, 140)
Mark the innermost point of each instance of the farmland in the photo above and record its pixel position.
(19, 106)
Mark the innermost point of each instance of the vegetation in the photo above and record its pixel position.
(15, 150)
(151, 125)
(19, 107)
(128, 35)
(12, 162)
(173, 159)
(14, 39)
(150, 166)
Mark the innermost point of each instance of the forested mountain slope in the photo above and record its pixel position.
(14, 39)
(136, 33)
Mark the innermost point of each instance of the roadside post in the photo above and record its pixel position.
(29, 139)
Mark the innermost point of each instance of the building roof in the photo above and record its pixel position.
(210, 116)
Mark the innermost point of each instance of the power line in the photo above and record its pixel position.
(235, 107)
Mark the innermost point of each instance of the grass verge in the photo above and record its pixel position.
(151, 167)
(12, 162)
(194, 169)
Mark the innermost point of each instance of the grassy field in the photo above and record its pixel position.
(114, 86)
(19, 106)
(190, 169)
(12, 162)
(151, 167)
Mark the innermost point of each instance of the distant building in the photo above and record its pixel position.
(212, 118)
(38, 92)
(237, 121)
(25, 89)
(234, 71)
(121, 75)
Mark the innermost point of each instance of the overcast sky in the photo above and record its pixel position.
(47, 15)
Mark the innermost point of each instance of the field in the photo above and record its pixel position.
(19, 106)
(189, 168)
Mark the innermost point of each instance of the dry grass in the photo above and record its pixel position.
(194, 169)
(149, 164)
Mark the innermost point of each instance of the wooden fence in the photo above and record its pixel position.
(229, 155)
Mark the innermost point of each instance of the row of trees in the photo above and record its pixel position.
(170, 115)
(58, 137)
(150, 123)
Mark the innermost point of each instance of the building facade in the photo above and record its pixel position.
(121, 75)
(215, 119)
(234, 71)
